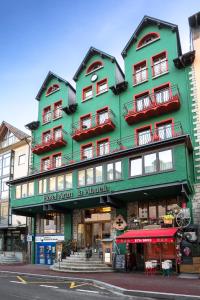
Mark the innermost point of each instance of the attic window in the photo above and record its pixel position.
(147, 39)
(53, 88)
(94, 66)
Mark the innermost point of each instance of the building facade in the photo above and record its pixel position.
(115, 153)
(14, 162)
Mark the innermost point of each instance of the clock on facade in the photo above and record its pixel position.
(94, 77)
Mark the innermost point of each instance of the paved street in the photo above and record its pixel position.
(21, 287)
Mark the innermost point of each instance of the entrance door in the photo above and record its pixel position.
(140, 256)
(88, 234)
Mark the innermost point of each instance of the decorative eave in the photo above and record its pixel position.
(194, 20)
(89, 54)
(147, 21)
(33, 125)
(119, 87)
(49, 76)
(70, 109)
(184, 60)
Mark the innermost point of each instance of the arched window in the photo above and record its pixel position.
(52, 89)
(94, 66)
(147, 39)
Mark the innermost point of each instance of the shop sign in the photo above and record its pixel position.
(49, 238)
(119, 223)
(29, 238)
(146, 240)
(58, 196)
(93, 190)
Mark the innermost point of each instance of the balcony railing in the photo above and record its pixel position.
(52, 115)
(93, 125)
(158, 103)
(117, 145)
(52, 141)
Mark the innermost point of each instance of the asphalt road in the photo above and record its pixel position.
(20, 287)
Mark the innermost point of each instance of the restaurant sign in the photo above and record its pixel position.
(58, 196)
(93, 190)
(146, 240)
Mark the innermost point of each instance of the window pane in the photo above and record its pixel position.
(4, 188)
(136, 166)
(52, 184)
(103, 117)
(89, 176)
(81, 178)
(152, 210)
(60, 182)
(87, 152)
(118, 170)
(44, 185)
(143, 210)
(68, 181)
(110, 172)
(86, 123)
(144, 137)
(31, 188)
(165, 160)
(162, 95)
(165, 131)
(143, 102)
(161, 208)
(24, 190)
(150, 163)
(99, 174)
(103, 148)
(21, 159)
(40, 187)
(18, 192)
(57, 133)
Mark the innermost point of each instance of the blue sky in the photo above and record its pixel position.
(41, 35)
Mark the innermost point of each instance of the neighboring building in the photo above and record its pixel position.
(14, 156)
(194, 22)
(115, 151)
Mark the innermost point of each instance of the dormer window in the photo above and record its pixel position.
(94, 66)
(147, 39)
(53, 88)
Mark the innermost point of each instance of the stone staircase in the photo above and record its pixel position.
(77, 262)
(8, 259)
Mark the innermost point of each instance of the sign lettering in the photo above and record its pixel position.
(93, 190)
(58, 196)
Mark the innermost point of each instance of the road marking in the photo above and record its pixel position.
(17, 282)
(22, 280)
(49, 286)
(87, 291)
(73, 285)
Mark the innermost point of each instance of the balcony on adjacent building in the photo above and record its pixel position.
(49, 141)
(93, 125)
(145, 106)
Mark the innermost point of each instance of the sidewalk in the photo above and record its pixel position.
(128, 281)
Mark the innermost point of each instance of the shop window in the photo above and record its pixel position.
(102, 86)
(162, 94)
(142, 101)
(57, 133)
(68, 181)
(57, 113)
(87, 151)
(87, 93)
(136, 166)
(159, 64)
(147, 39)
(102, 116)
(165, 160)
(46, 117)
(114, 171)
(89, 176)
(45, 164)
(94, 66)
(140, 72)
(53, 88)
(144, 136)
(46, 136)
(21, 159)
(164, 130)
(86, 122)
(150, 163)
(57, 160)
(103, 147)
(52, 184)
(81, 178)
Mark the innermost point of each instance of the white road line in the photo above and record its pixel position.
(17, 282)
(49, 286)
(87, 291)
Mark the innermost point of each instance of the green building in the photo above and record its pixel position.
(115, 153)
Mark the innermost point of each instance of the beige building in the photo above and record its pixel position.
(194, 23)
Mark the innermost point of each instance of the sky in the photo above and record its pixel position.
(41, 35)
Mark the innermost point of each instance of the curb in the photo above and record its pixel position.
(115, 289)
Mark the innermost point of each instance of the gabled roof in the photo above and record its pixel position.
(49, 76)
(17, 132)
(147, 21)
(89, 54)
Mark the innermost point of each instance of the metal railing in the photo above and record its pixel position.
(51, 138)
(52, 115)
(149, 101)
(162, 133)
(91, 121)
(140, 76)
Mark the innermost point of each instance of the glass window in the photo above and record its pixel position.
(87, 152)
(58, 110)
(164, 131)
(99, 174)
(159, 64)
(22, 159)
(40, 188)
(45, 164)
(110, 172)
(81, 178)
(161, 208)
(57, 160)
(140, 73)
(162, 96)
(152, 210)
(165, 160)
(90, 176)
(144, 137)
(46, 136)
(136, 166)
(103, 116)
(68, 181)
(87, 93)
(1, 160)
(31, 188)
(103, 147)
(118, 170)
(52, 184)
(102, 86)
(18, 192)
(150, 163)
(60, 182)
(24, 190)
(47, 114)
(57, 133)
(6, 164)
(4, 188)
(143, 102)
(86, 123)
(143, 210)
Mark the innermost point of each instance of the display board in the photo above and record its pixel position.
(119, 262)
